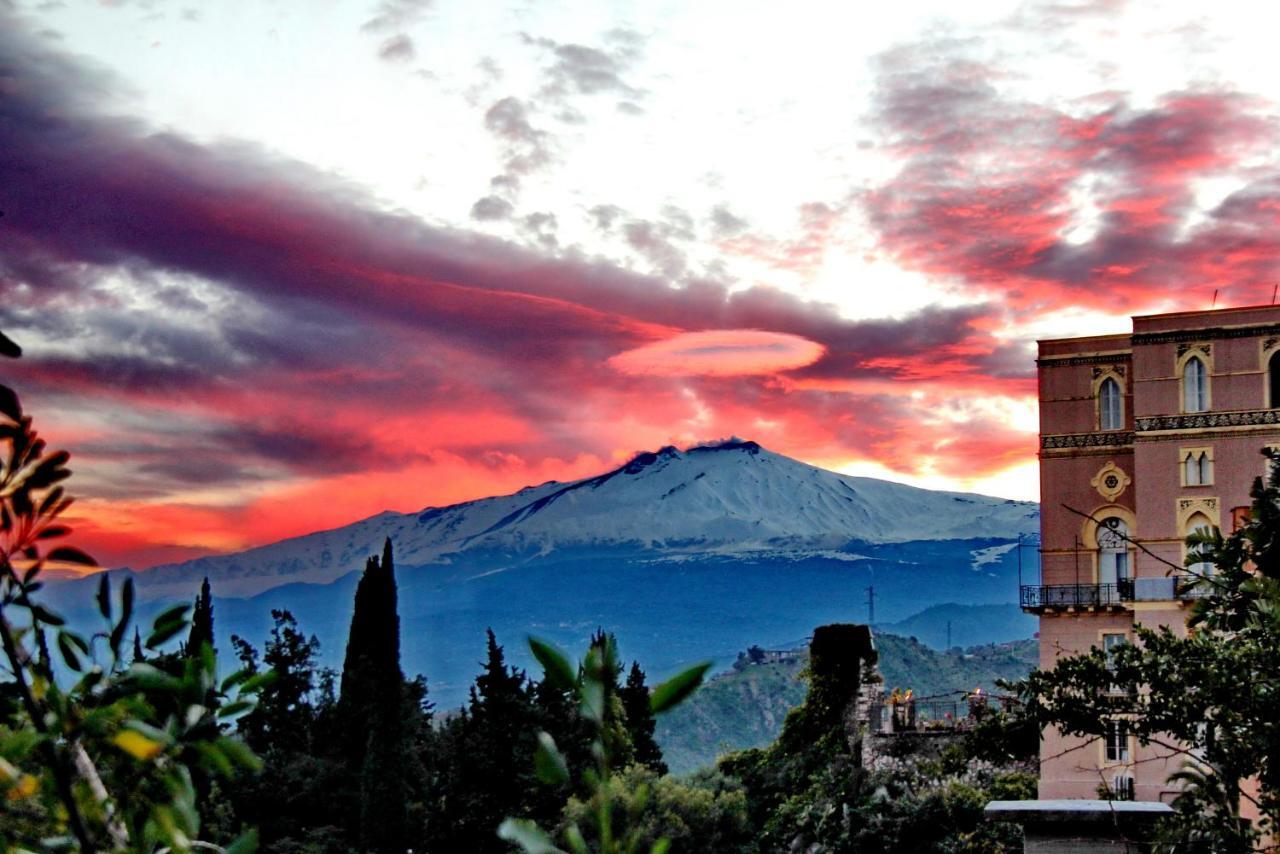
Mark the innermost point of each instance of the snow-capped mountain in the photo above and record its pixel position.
(724, 498)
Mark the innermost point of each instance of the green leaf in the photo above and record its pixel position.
(67, 648)
(239, 752)
(44, 615)
(674, 691)
(9, 403)
(235, 679)
(104, 596)
(126, 615)
(660, 846)
(8, 348)
(70, 554)
(168, 624)
(149, 678)
(527, 834)
(554, 663)
(577, 843)
(246, 844)
(258, 681)
(159, 636)
(591, 700)
(548, 761)
(177, 613)
(234, 708)
(215, 758)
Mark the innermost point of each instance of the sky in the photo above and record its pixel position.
(278, 266)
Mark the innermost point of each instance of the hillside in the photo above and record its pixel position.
(970, 625)
(744, 707)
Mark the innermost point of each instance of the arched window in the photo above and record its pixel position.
(1195, 386)
(1273, 380)
(1110, 412)
(1197, 468)
(1113, 551)
(1196, 554)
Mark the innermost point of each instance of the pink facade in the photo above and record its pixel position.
(1144, 436)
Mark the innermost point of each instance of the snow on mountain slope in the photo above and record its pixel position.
(729, 496)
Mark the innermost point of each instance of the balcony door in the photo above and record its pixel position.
(1113, 552)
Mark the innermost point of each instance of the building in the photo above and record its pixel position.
(1146, 437)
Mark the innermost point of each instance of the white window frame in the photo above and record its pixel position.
(1113, 551)
(1195, 385)
(1116, 748)
(1202, 567)
(1197, 466)
(1110, 405)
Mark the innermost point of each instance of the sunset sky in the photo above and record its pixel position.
(278, 266)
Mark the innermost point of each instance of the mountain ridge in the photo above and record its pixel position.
(725, 497)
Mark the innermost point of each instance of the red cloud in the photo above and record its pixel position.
(986, 191)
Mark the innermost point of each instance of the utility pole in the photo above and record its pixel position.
(1019, 563)
(871, 605)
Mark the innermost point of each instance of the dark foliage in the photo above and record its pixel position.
(201, 622)
(640, 721)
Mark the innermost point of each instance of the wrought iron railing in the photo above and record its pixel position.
(1160, 589)
(1075, 595)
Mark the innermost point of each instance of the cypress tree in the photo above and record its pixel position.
(201, 622)
(371, 708)
(640, 720)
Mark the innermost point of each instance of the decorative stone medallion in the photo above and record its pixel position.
(1110, 481)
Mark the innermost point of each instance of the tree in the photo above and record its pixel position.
(641, 721)
(201, 622)
(284, 715)
(488, 766)
(304, 790)
(1210, 696)
(371, 702)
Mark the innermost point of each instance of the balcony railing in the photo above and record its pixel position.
(1166, 589)
(1076, 595)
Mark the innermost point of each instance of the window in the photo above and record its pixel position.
(1197, 467)
(1197, 553)
(1113, 551)
(1117, 741)
(1110, 643)
(1273, 380)
(1110, 410)
(1195, 386)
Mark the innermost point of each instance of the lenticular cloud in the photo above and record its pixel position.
(719, 352)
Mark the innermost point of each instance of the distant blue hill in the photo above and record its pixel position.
(971, 625)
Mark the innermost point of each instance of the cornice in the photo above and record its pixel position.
(1204, 420)
(1109, 438)
(1179, 336)
(1094, 359)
